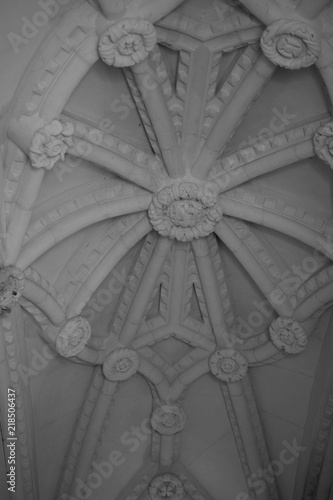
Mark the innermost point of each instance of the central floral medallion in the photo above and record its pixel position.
(185, 211)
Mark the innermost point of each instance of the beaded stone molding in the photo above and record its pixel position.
(121, 364)
(73, 337)
(291, 44)
(228, 365)
(168, 420)
(166, 486)
(288, 335)
(127, 42)
(11, 287)
(185, 211)
(323, 143)
(50, 144)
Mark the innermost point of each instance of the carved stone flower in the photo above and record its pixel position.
(291, 44)
(50, 144)
(11, 287)
(288, 335)
(166, 486)
(228, 365)
(185, 211)
(168, 419)
(323, 143)
(73, 337)
(121, 364)
(127, 42)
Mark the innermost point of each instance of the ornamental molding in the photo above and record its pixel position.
(291, 44)
(288, 335)
(50, 144)
(73, 337)
(166, 486)
(168, 419)
(121, 364)
(228, 365)
(127, 42)
(185, 211)
(323, 143)
(11, 287)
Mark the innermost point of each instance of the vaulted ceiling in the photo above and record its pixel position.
(166, 242)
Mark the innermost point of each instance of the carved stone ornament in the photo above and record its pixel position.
(127, 42)
(185, 211)
(121, 364)
(168, 419)
(323, 143)
(288, 335)
(73, 337)
(291, 44)
(228, 365)
(11, 287)
(166, 486)
(50, 144)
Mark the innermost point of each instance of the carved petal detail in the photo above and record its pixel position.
(73, 337)
(291, 44)
(50, 144)
(288, 335)
(127, 42)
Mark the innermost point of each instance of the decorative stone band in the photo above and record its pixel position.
(185, 211)
(291, 44)
(73, 337)
(121, 364)
(168, 420)
(11, 287)
(127, 42)
(323, 143)
(288, 335)
(166, 486)
(50, 144)
(228, 365)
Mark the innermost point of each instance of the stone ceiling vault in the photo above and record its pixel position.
(166, 281)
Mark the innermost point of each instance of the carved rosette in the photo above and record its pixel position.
(50, 144)
(121, 364)
(166, 486)
(168, 420)
(291, 44)
(288, 335)
(73, 337)
(11, 287)
(323, 143)
(127, 42)
(228, 365)
(185, 211)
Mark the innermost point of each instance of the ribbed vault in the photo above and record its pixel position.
(195, 260)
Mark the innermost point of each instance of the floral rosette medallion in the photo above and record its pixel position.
(50, 144)
(166, 486)
(121, 364)
(127, 42)
(73, 337)
(228, 365)
(11, 287)
(185, 211)
(323, 143)
(168, 420)
(291, 44)
(288, 335)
